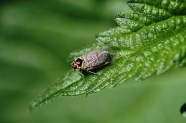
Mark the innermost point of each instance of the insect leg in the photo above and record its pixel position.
(91, 72)
(80, 72)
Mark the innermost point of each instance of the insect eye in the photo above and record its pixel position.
(74, 66)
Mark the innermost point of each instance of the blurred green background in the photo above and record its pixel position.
(36, 38)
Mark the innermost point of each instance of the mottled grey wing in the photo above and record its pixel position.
(96, 59)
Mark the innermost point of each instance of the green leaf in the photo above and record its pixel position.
(149, 40)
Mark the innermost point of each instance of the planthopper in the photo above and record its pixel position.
(91, 61)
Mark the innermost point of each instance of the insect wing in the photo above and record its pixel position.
(95, 59)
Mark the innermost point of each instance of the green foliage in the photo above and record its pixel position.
(150, 39)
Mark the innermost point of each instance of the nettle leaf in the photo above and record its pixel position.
(149, 40)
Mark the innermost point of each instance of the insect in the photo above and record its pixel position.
(91, 60)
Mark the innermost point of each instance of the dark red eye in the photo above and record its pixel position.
(74, 66)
